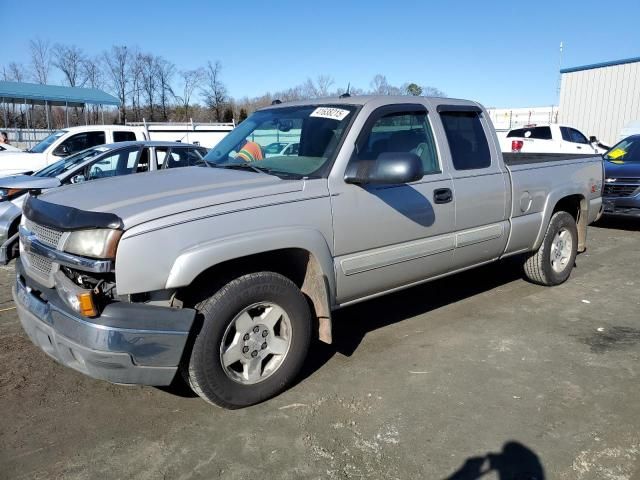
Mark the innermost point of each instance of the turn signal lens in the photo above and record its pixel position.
(87, 307)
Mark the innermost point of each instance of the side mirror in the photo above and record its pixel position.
(78, 178)
(61, 151)
(389, 168)
(593, 139)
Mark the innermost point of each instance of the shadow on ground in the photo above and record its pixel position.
(351, 324)
(514, 462)
(631, 224)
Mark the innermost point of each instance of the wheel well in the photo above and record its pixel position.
(576, 206)
(298, 265)
(14, 226)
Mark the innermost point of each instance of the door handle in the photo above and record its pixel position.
(579, 147)
(442, 195)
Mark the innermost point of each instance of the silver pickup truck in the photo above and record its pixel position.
(224, 275)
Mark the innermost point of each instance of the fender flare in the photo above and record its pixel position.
(552, 200)
(195, 260)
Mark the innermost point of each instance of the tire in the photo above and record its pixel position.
(232, 328)
(547, 266)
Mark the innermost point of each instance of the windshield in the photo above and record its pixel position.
(44, 144)
(262, 140)
(627, 151)
(68, 163)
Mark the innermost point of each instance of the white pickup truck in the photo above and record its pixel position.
(551, 138)
(68, 141)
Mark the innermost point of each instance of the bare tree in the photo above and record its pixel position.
(94, 78)
(316, 88)
(149, 77)
(117, 66)
(69, 60)
(14, 72)
(135, 79)
(214, 92)
(432, 92)
(379, 85)
(323, 84)
(92, 72)
(40, 60)
(191, 79)
(165, 70)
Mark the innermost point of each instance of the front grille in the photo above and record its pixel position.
(618, 190)
(46, 235)
(39, 263)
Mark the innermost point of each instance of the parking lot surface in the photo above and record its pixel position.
(478, 373)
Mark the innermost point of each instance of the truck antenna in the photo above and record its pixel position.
(347, 94)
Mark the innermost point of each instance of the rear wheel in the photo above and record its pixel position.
(552, 263)
(255, 335)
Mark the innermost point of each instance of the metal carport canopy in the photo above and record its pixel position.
(35, 94)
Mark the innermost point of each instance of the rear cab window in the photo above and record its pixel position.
(466, 137)
(537, 133)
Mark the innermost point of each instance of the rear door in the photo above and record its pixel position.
(480, 186)
(387, 236)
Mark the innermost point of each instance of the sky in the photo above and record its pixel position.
(500, 53)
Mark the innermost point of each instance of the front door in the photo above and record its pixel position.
(388, 236)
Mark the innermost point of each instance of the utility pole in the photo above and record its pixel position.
(559, 74)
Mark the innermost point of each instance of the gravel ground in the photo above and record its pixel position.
(478, 375)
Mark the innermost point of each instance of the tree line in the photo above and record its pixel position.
(153, 88)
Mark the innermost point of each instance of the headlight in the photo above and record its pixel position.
(98, 243)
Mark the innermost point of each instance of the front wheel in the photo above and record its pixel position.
(552, 263)
(253, 342)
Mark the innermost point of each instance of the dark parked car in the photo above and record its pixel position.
(622, 178)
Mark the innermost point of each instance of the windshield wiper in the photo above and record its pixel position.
(244, 165)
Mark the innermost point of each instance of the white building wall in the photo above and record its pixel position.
(601, 101)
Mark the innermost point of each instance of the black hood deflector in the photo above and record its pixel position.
(68, 219)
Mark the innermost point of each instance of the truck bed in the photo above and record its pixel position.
(527, 158)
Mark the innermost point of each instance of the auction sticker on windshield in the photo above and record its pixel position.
(330, 112)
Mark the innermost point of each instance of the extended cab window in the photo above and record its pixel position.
(401, 132)
(467, 140)
(124, 136)
(538, 133)
(81, 141)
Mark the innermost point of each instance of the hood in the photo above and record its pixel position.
(146, 196)
(621, 170)
(29, 182)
